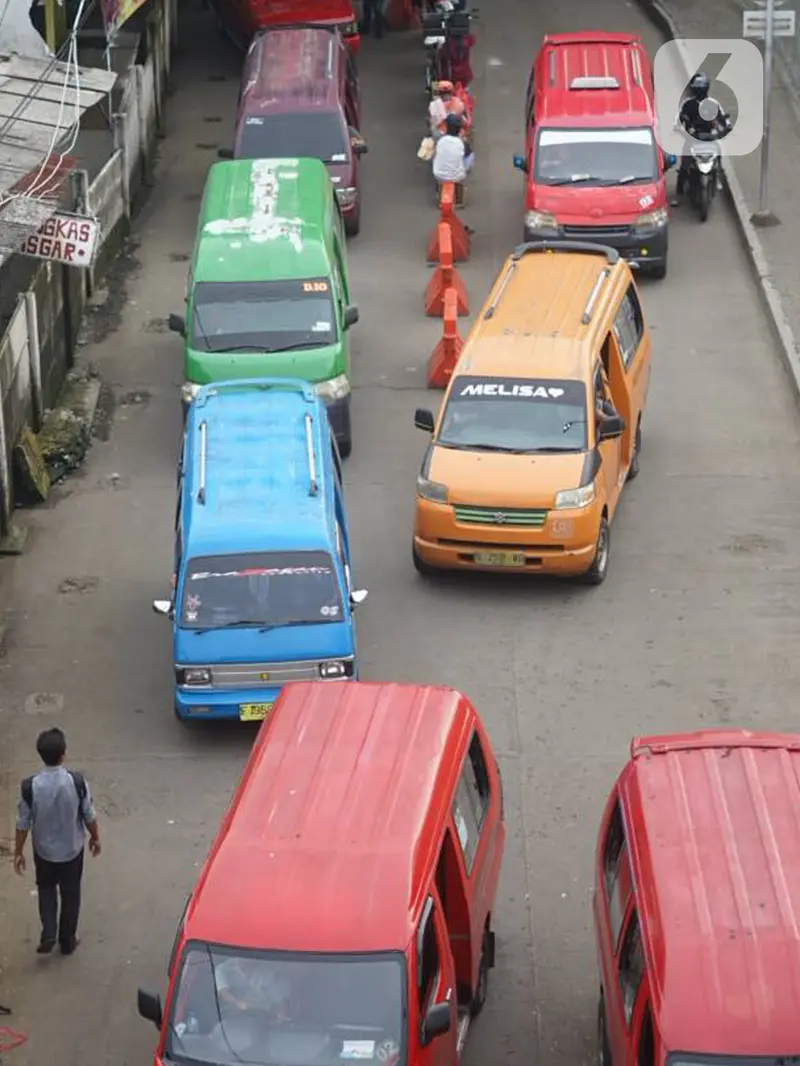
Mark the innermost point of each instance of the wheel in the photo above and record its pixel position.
(352, 226)
(419, 565)
(603, 1048)
(345, 446)
(482, 988)
(704, 198)
(637, 451)
(596, 574)
(659, 272)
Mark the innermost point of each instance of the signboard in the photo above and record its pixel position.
(117, 12)
(68, 239)
(754, 24)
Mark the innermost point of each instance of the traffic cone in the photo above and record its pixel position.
(447, 214)
(445, 277)
(447, 351)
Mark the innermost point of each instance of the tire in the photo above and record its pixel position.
(603, 1047)
(482, 987)
(420, 566)
(345, 446)
(637, 452)
(352, 227)
(704, 198)
(596, 574)
(659, 272)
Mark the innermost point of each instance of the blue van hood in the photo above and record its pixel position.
(329, 640)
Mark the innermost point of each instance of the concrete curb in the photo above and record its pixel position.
(784, 335)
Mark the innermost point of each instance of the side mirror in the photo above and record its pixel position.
(225, 153)
(520, 164)
(162, 607)
(610, 428)
(177, 324)
(149, 1005)
(424, 419)
(358, 596)
(350, 316)
(357, 143)
(437, 1021)
(669, 161)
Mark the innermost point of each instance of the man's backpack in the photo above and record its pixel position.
(77, 780)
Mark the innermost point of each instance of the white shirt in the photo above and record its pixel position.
(448, 162)
(437, 113)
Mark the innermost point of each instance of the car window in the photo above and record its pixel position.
(471, 802)
(629, 326)
(616, 875)
(631, 967)
(431, 963)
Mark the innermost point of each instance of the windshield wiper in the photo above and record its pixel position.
(551, 451)
(299, 622)
(634, 177)
(576, 179)
(230, 625)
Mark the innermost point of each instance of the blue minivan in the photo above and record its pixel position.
(262, 592)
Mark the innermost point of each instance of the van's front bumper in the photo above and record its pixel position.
(645, 247)
(565, 544)
(244, 705)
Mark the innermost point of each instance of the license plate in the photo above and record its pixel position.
(254, 712)
(499, 558)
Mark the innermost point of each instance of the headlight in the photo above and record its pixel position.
(347, 197)
(335, 668)
(570, 499)
(540, 220)
(431, 490)
(334, 389)
(653, 219)
(189, 390)
(193, 675)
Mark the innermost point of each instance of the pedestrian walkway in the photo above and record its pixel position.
(779, 244)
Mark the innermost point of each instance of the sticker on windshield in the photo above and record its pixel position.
(277, 571)
(329, 612)
(388, 1052)
(254, 120)
(340, 157)
(358, 1049)
(315, 286)
(321, 327)
(567, 392)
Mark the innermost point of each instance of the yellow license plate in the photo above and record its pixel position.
(499, 558)
(254, 712)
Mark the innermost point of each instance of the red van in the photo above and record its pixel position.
(593, 168)
(299, 98)
(345, 908)
(242, 19)
(697, 902)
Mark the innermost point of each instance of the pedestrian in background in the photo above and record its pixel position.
(55, 807)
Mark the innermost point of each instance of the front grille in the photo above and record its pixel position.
(497, 545)
(596, 233)
(495, 516)
(249, 675)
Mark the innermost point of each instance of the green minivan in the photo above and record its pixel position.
(268, 294)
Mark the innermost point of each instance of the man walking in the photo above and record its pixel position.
(55, 806)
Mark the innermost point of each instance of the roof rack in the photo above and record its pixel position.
(705, 739)
(490, 310)
(636, 67)
(552, 68)
(201, 489)
(577, 247)
(590, 81)
(329, 69)
(312, 467)
(588, 310)
(259, 385)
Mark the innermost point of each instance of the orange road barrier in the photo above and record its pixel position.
(458, 232)
(445, 277)
(445, 355)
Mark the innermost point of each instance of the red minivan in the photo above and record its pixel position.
(299, 98)
(345, 908)
(593, 167)
(242, 19)
(697, 902)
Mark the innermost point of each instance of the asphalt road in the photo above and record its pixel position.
(695, 626)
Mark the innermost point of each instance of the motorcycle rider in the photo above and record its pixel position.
(444, 104)
(703, 118)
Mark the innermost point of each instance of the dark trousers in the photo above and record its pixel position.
(373, 19)
(52, 879)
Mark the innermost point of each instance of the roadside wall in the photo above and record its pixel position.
(39, 334)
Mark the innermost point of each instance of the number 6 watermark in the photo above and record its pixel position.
(742, 73)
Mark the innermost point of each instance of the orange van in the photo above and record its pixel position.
(697, 904)
(345, 908)
(541, 424)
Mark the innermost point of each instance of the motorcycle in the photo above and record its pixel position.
(446, 22)
(703, 176)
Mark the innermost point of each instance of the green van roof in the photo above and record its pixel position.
(264, 219)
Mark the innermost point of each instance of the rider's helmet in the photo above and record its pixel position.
(699, 85)
(444, 88)
(452, 125)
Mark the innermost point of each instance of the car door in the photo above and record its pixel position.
(609, 449)
(435, 984)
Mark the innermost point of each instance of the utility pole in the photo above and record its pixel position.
(55, 23)
(767, 24)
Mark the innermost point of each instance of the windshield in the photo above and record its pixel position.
(515, 415)
(596, 157)
(294, 135)
(258, 1008)
(262, 316)
(260, 589)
